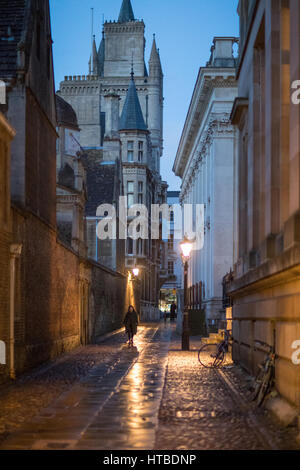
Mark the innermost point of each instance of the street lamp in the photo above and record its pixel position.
(186, 247)
(136, 272)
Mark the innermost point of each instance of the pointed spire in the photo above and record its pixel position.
(126, 12)
(94, 58)
(132, 116)
(154, 57)
(154, 62)
(101, 56)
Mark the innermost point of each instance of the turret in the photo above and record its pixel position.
(155, 102)
(133, 129)
(155, 69)
(93, 62)
(101, 56)
(126, 12)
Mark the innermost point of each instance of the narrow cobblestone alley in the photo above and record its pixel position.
(152, 396)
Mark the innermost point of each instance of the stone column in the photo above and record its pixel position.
(291, 233)
(285, 112)
(76, 227)
(272, 43)
(294, 186)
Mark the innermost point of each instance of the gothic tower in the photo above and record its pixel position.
(123, 115)
(109, 67)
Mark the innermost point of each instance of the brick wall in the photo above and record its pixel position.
(46, 317)
(40, 161)
(110, 296)
(48, 295)
(4, 295)
(5, 237)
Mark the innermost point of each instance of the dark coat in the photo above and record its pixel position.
(131, 322)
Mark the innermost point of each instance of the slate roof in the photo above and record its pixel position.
(65, 113)
(12, 24)
(100, 181)
(132, 116)
(126, 12)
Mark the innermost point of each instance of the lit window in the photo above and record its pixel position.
(139, 246)
(130, 151)
(171, 267)
(140, 192)
(129, 246)
(130, 193)
(141, 151)
(171, 242)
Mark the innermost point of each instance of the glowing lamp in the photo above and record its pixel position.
(136, 272)
(186, 247)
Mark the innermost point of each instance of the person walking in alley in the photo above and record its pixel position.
(173, 312)
(131, 322)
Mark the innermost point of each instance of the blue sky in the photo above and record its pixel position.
(184, 31)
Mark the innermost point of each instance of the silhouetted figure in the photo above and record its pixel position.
(173, 312)
(131, 322)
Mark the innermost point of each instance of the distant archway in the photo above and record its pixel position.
(2, 353)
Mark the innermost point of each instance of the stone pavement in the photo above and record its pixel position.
(204, 409)
(153, 396)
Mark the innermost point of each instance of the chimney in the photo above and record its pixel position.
(222, 52)
(112, 116)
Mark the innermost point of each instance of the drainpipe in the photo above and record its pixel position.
(15, 252)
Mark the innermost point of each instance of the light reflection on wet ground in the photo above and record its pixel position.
(112, 409)
(151, 396)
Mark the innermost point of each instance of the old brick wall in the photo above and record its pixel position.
(48, 295)
(5, 239)
(40, 162)
(270, 316)
(4, 295)
(110, 296)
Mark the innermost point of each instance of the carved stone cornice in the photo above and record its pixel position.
(219, 125)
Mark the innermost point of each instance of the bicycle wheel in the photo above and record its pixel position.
(257, 383)
(264, 387)
(211, 355)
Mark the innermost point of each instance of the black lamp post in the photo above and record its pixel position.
(186, 247)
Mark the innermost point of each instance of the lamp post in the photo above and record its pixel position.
(186, 247)
(136, 272)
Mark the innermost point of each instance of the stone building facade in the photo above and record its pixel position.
(6, 247)
(105, 100)
(58, 297)
(206, 163)
(171, 289)
(71, 179)
(266, 287)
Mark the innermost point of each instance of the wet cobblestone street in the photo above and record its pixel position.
(153, 396)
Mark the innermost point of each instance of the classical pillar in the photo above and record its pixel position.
(285, 112)
(294, 166)
(273, 109)
(76, 227)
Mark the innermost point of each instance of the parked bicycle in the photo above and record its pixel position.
(264, 378)
(213, 356)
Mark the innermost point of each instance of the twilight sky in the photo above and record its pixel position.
(184, 31)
